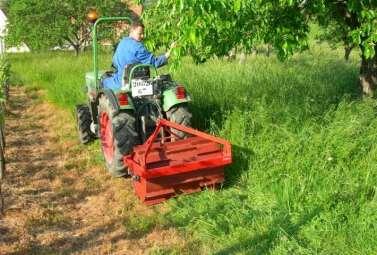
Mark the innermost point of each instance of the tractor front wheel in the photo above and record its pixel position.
(84, 119)
(117, 132)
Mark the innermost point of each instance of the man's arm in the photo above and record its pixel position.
(145, 57)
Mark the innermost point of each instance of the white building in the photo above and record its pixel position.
(3, 24)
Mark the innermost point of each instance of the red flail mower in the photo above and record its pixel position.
(166, 166)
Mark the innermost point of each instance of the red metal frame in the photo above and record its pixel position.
(164, 167)
(106, 135)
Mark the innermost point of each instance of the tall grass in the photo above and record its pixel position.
(304, 175)
(60, 74)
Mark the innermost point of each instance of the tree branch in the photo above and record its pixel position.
(70, 41)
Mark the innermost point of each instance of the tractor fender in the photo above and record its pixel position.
(114, 101)
(169, 99)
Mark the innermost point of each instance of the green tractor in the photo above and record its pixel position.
(125, 118)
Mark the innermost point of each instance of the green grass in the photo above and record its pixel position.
(60, 74)
(304, 175)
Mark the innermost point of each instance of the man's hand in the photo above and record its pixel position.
(172, 46)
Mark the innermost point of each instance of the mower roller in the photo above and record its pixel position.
(144, 131)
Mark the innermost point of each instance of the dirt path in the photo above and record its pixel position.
(59, 199)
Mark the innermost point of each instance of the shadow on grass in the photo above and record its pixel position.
(242, 160)
(264, 243)
(204, 114)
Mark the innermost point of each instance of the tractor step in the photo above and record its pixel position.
(164, 167)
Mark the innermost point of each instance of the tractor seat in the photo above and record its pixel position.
(143, 72)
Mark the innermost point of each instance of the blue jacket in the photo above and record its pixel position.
(130, 51)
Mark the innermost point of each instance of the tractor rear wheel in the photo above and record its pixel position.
(84, 119)
(117, 132)
(179, 114)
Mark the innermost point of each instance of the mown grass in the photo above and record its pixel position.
(304, 175)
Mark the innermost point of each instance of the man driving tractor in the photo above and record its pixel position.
(131, 50)
(123, 110)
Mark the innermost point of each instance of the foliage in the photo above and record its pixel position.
(4, 76)
(337, 35)
(4, 87)
(207, 28)
(43, 24)
(351, 22)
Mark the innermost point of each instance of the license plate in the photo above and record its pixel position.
(141, 88)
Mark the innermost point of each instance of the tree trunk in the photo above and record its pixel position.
(77, 50)
(232, 54)
(269, 49)
(368, 75)
(242, 58)
(75, 44)
(347, 52)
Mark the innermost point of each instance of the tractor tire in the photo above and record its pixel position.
(117, 132)
(179, 114)
(83, 121)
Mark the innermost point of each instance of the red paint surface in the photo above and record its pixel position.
(168, 167)
(106, 135)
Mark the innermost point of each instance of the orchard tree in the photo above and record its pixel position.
(207, 28)
(337, 35)
(359, 22)
(43, 24)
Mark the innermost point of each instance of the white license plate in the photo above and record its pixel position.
(141, 88)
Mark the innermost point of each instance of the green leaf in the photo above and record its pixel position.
(237, 5)
(192, 36)
(369, 51)
(356, 37)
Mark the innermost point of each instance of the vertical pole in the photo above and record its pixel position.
(95, 55)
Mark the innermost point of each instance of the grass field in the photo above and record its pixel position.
(305, 151)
